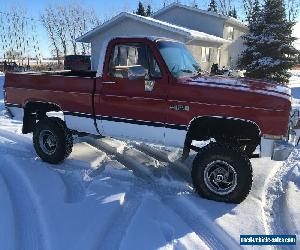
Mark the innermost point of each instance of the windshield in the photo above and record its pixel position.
(296, 93)
(178, 59)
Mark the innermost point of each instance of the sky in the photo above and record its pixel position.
(104, 9)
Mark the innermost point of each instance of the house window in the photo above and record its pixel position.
(230, 34)
(219, 56)
(205, 54)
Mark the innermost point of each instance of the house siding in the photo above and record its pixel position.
(129, 27)
(196, 48)
(193, 20)
(233, 50)
(212, 25)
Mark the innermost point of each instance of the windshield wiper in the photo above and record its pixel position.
(187, 71)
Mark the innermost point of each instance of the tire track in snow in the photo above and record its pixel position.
(7, 228)
(197, 223)
(138, 162)
(30, 228)
(75, 189)
(180, 169)
(208, 231)
(128, 161)
(113, 237)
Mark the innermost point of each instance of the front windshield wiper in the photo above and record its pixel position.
(195, 73)
(186, 71)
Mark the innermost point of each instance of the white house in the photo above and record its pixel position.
(211, 23)
(210, 37)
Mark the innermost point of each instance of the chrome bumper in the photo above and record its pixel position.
(278, 150)
(282, 150)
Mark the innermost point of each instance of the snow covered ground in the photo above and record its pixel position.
(112, 194)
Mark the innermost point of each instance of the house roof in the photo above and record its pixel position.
(188, 33)
(228, 19)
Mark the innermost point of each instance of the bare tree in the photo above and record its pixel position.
(61, 29)
(225, 7)
(68, 22)
(248, 8)
(18, 38)
(292, 8)
(48, 20)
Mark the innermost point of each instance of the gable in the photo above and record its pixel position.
(209, 24)
(130, 27)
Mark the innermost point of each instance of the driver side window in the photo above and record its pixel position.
(128, 56)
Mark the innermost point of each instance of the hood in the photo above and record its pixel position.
(244, 84)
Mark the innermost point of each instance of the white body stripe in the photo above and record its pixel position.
(132, 131)
(81, 124)
(159, 135)
(122, 130)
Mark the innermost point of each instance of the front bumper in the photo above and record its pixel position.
(278, 150)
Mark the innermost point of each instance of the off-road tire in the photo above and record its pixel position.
(235, 158)
(63, 136)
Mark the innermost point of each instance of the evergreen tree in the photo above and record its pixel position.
(149, 10)
(213, 6)
(141, 10)
(251, 40)
(278, 52)
(230, 13)
(234, 13)
(269, 51)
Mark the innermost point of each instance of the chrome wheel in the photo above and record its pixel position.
(48, 142)
(220, 177)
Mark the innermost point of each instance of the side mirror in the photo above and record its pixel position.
(136, 73)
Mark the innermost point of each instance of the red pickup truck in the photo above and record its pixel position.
(152, 89)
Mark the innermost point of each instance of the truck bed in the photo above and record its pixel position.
(72, 91)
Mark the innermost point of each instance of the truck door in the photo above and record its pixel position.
(132, 102)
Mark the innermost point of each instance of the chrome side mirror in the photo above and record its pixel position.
(136, 72)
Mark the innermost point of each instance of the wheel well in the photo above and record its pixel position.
(34, 111)
(222, 128)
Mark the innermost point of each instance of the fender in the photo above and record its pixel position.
(36, 110)
(202, 128)
(224, 117)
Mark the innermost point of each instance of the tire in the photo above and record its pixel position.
(52, 140)
(222, 172)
